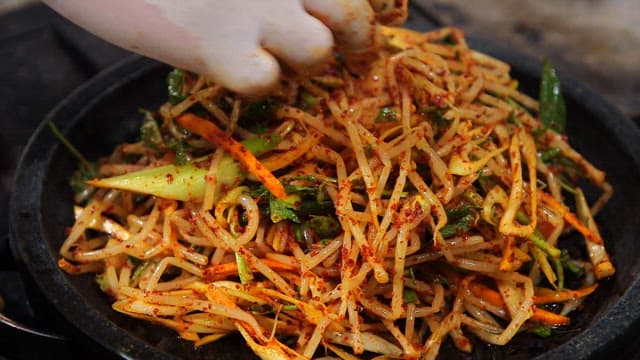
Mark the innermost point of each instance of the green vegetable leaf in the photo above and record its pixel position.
(284, 209)
(542, 331)
(175, 83)
(553, 112)
(386, 114)
(150, 131)
(258, 114)
(410, 296)
(462, 225)
(568, 263)
(325, 226)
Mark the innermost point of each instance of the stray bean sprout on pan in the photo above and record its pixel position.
(370, 210)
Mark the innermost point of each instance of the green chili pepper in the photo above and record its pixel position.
(186, 182)
(553, 112)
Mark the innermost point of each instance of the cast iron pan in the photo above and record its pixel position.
(104, 112)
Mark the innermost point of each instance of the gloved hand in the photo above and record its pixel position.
(234, 42)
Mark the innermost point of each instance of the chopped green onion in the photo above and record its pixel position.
(549, 154)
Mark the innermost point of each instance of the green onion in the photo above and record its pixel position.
(243, 269)
(537, 238)
(549, 154)
(410, 296)
(542, 331)
(138, 272)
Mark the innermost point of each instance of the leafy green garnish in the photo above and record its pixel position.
(553, 112)
(150, 131)
(460, 219)
(284, 209)
(260, 145)
(410, 296)
(175, 84)
(386, 114)
(325, 226)
(257, 115)
(459, 227)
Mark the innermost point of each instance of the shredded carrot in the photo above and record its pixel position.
(571, 218)
(231, 268)
(546, 297)
(494, 298)
(215, 135)
(548, 317)
(491, 296)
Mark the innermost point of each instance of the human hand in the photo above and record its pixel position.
(235, 43)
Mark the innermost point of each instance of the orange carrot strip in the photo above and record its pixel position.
(564, 295)
(215, 135)
(228, 269)
(571, 218)
(491, 296)
(494, 298)
(548, 317)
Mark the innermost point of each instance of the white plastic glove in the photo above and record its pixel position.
(231, 41)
